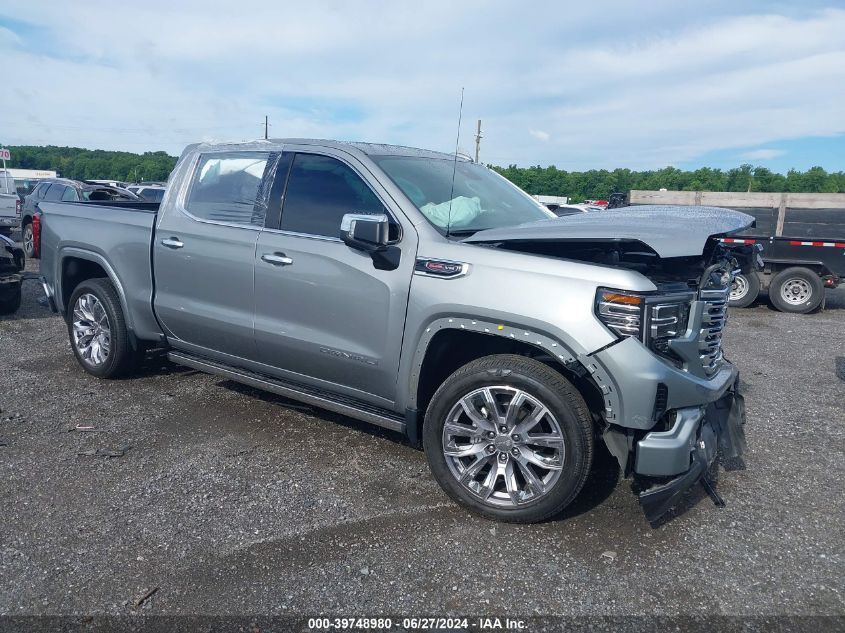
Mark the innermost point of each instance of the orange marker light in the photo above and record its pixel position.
(615, 297)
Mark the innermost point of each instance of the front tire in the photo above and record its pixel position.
(509, 438)
(798, 290)
(744, 290)
(97, 330)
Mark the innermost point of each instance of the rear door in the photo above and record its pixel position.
(324, 315)
(204, 254)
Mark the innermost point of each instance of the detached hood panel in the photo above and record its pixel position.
(670, 231)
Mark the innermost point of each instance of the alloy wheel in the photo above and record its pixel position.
(91, 330)
(28, 241)
(503, 445)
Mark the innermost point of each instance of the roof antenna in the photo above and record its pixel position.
(455, 164)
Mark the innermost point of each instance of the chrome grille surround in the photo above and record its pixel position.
(714, 315)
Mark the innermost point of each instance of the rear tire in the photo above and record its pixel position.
(744, 291)
(10, 298)
(502, 464)
(97, 330)
(28, 240)
(797, 290)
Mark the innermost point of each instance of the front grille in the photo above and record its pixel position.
(713, 318)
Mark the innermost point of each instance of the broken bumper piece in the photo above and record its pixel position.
(688, 449)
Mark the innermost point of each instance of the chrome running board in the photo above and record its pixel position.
(330, 402)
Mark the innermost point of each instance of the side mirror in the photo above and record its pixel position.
(368, 233)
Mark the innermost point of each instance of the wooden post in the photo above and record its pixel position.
(781, 215)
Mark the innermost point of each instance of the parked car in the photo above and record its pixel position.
(561, 210)
(11, 268)
(10, 208)
(60, 189)
(424, 293)
(151, 193)
(109, 183)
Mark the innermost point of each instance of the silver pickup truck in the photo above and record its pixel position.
(423, 293)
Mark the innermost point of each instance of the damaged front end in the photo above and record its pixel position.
(11, 275)
(691, 446)
(671, 400)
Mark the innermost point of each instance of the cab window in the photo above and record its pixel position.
(225, 188)
(320, 191)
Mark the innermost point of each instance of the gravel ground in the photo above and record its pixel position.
(231, 501)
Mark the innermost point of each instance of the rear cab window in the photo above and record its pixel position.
(225, 188)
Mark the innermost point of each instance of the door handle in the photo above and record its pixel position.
(277, 259)
(172, 242)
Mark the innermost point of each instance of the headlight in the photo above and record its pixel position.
(622, 312)
(653, 319)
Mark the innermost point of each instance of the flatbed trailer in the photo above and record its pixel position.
(802, 237)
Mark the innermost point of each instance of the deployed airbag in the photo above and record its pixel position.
(454, 213)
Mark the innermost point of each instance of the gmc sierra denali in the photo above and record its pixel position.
(424, 293)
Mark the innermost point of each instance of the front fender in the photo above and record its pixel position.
(542, 342)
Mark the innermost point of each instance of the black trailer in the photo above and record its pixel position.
(802, 237)
(807, 257)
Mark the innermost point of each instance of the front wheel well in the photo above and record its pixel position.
(451, 349)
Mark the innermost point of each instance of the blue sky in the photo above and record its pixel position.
(578, 85)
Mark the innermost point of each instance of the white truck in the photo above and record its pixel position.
(10, 204)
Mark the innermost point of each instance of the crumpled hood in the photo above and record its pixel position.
(670, 231)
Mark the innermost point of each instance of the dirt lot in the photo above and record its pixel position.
(232, 501)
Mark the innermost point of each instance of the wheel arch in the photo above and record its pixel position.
(76, 265)
(449, 343)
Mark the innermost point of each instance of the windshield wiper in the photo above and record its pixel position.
(468, 232)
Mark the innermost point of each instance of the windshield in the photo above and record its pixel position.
(480, 199)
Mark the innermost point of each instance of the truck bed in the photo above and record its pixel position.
(117, 237)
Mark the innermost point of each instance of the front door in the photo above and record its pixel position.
(324, 315)
(204, 255)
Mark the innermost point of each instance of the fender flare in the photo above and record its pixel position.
(542, 342)
(91, 256)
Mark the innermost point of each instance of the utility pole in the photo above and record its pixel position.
(478, 141)
(266, 126)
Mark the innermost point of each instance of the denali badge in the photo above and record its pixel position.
(440, 268)
(348, 356)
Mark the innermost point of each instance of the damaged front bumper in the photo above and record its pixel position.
(687, 450)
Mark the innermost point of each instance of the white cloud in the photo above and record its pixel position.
(763, 154)
(633, 85)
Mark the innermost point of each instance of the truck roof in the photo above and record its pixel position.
(370, 149)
